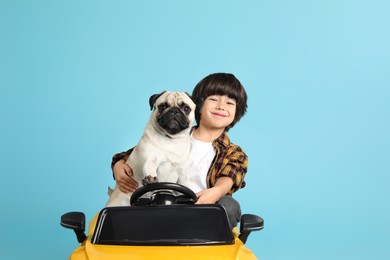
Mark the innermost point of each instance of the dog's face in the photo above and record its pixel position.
(173, 112)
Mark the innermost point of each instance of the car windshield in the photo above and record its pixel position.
(163, 225)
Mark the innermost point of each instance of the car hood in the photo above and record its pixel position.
(213, 252)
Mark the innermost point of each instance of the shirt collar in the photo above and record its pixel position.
(223, 139)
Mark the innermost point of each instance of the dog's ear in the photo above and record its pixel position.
(153, 98)
(193, 100)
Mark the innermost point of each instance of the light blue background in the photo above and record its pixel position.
(76, 77)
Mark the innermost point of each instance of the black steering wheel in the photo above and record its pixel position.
(163, 193)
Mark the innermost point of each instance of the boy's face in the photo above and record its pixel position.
(218, 111)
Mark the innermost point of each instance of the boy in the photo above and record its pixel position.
(218, 166)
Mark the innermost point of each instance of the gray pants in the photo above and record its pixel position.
(232, 208)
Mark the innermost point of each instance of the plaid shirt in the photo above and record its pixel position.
(229, 161)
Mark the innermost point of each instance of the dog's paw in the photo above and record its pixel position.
(149, 180)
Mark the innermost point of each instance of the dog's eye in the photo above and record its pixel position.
(187, 109)
(162, 107)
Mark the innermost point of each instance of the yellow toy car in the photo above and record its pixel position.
(165, 225)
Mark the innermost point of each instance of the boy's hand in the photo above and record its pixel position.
(214, 194)
(123, 177)
(208, 196)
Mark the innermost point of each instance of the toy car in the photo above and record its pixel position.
(164, 225)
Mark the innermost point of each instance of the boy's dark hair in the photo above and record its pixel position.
(221, 84)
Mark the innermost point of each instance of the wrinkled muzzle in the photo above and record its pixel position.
(173, 121)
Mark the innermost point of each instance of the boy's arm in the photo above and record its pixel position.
(122, 172)
(214, 194)
(120, 156)
(235, 169)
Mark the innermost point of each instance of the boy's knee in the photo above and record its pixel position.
(232, 208)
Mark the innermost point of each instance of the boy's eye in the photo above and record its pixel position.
(231, 101)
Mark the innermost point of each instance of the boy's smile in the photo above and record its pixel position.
(218, 114)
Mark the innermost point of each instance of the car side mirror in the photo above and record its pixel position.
(75, 221)
(248, 224)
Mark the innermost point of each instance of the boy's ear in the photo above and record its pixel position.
(153, 98)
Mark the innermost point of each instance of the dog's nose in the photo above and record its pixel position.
(174, 110)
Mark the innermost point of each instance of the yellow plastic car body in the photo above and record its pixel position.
(161, 232)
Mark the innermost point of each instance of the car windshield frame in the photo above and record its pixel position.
(205, 224)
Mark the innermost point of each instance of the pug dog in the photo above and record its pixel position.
(162, 153)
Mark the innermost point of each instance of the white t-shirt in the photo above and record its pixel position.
(202, 155)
